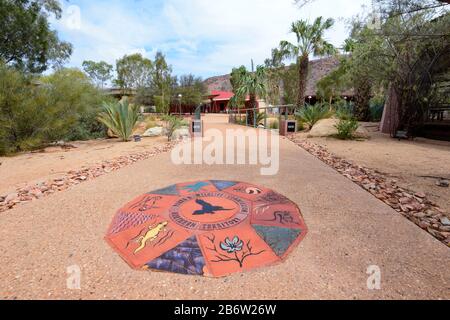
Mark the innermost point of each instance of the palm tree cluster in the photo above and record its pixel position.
(310, 41)
(249, 83)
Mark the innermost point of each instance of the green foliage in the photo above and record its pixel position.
(162, 104)
(311, 114)
(133, 72)
(70, 90)
(27, 41)
(236, 77)
(172, 123)
(99, 72)
(406, 54)
(333, 84)
(120, 117)
(192, 90)
(376, 108)
(346, 128)
(274, 125)
(162, 82)
(252, 84)
(61, 106)
(343, 110)
(310, 40)
(260, 117)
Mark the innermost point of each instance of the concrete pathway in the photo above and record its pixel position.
(349, 230)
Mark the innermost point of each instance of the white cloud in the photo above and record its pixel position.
(199, 36)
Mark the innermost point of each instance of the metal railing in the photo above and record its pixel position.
(245, 112)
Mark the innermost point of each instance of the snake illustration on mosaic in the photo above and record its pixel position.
(211, 228)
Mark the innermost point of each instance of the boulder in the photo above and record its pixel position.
(140, 128)
(11, 197)
(362, 133)
(324, 128)
(154, 132)
(181, 133)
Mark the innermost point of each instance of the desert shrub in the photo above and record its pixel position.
(150, 121)
(120, 117)
(70, 89)
(35, 112)
(346, 128)
(173, 123)
(344, 110)
(311, 114)
(275, 125)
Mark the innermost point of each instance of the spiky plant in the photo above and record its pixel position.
(120, 118)
(311, 114)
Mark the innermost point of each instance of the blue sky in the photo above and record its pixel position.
(203, 37)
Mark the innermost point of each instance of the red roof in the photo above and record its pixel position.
(223, 95)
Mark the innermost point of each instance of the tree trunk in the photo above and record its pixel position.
(303, 69)
(362, 99)
(251, 113)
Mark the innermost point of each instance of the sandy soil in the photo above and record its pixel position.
(349, 230)
(34, 167)
(405, 161)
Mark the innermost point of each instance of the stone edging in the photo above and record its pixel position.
(75, 177)
(414, 206)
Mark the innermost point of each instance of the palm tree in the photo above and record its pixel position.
(252, 84)
(310, 40)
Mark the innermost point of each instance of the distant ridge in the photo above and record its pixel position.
(318, 69)
(219, 83)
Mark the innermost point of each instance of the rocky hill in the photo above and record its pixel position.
(219, 83)
(318, 69)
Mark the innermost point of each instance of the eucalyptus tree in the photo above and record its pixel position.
(310, 41)
(191, 88)
(100, 72)
(133, 72)
(27, 41)
(162, 82)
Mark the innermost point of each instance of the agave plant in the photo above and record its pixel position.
(120, 118)
(260, 117)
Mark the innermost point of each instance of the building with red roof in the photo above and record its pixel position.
(218, 101)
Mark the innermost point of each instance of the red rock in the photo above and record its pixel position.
(10, 197)
(420, 195)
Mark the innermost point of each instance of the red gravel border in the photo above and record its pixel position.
(75, 177)
(414, 206)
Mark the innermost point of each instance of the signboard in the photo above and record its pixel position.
(288, 126)
(196, 128)
(291, 126)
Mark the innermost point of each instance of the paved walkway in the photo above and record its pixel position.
(349, 230)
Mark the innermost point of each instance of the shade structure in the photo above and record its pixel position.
(212, 228)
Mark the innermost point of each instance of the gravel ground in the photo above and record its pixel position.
(349, 230)
(406, 161)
